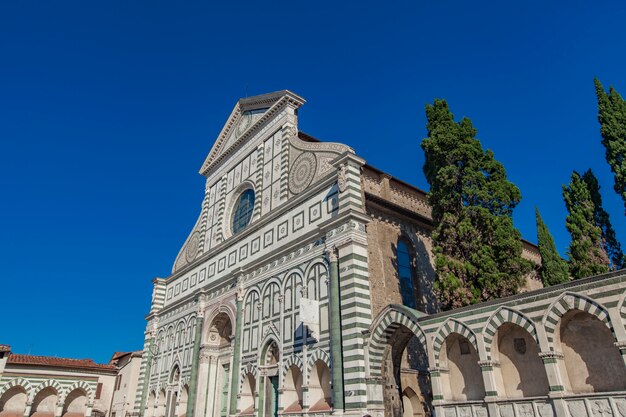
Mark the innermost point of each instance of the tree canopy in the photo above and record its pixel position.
(477, 248)
(553, 268)
(586, 251)
(612, 118)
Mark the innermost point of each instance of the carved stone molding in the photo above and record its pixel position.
(551, 354)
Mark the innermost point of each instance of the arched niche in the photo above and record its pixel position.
(161, 404)
(463, 379)
(181, 407)
(75, 403)
(320, 392)
(591, 361)
(45, 403)
(292, 390)
(248, 395)
(521, 372)
(13, 402)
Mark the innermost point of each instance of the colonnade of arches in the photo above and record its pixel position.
(283, 385)
(18, 399)
(574, 349)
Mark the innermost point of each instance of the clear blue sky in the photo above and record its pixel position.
(108, 109)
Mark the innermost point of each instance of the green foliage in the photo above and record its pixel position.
(612, 117)
(601, 219)
(553, 268)
(477, 249)
(586, 250)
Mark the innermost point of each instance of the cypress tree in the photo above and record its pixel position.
(553, 268)
(611, 246)
(586, 250)
(612, 117)
(477, 249)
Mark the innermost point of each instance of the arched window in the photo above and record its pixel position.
(405, 274)
(242, 213)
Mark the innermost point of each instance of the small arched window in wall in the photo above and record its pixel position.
(242, 213)
(405, 274)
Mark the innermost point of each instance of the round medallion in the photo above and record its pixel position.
(302, 172)
(192, 247)
(244, 124)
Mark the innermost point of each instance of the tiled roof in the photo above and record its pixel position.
(57, 362)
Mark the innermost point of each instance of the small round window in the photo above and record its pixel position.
(242, 213)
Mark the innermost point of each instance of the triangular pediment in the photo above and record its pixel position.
(247, 116)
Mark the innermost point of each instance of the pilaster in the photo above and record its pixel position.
(234, 382)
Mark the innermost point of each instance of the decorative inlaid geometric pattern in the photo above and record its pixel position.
(302, 172)
(268, 238)
(282, 230)
(192, 247)
(315, 212)
(297, 221)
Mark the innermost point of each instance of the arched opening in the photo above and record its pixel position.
(13, 402)
(220, 331)
(75, 404)
(463, 381)
(411, 405)
(591, 361)
(320, 392)
(44, 403)
(161, 404)
(268, 387)
(404, 370)
(215, 377)
(151, 405)
(521, 372)
(292, 392)
(248, 395)
(172, 399)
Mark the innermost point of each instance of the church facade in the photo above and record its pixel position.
(305, 288)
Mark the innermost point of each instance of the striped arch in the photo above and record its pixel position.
(317, 354)
(80, 385)
(17, 382)
(292, 360)
(572, 301)
(249, 368)
(446, 329)
(48, 383)
(622, 308)
(384, 326)
(506, 315)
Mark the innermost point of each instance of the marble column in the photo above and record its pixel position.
(335, 331)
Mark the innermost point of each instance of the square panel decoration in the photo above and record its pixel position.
(282, 230)
(315, 212)
(297, 221)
